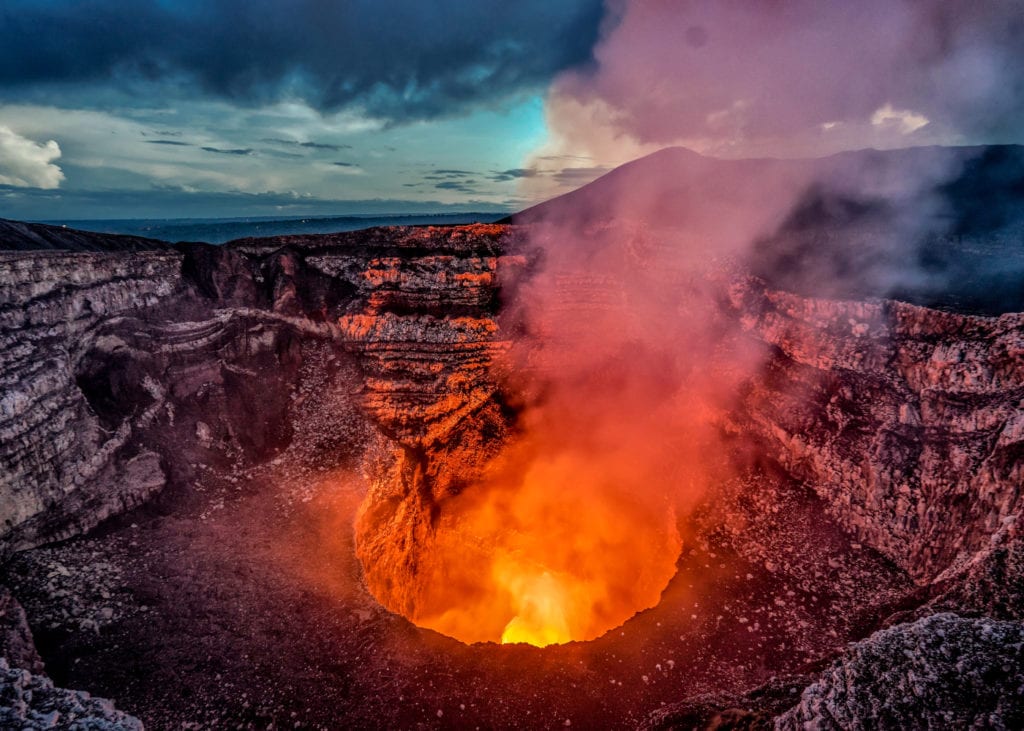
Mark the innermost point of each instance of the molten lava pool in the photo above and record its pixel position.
(563, 549)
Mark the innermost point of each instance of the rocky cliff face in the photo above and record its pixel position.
(907, 421)
(55, 449)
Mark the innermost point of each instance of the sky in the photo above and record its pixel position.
(206, 108)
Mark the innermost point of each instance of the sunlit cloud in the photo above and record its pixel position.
(903, 119)
(25, 163)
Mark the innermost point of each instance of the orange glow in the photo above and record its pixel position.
(542, 604)
(551, 545)
(565, 555)
(551, 514)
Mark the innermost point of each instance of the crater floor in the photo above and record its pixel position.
(240, 604)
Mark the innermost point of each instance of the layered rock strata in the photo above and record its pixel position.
(908, 422)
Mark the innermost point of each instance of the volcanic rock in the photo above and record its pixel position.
(943, 671)
(16, 644)
(905, 420)
(131, 367)
(30, 701)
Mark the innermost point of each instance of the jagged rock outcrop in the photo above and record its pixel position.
(943, 671)
(906, 421)
(32, 702)
(16, 644)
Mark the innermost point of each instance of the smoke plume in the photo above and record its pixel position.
(799, 78)
(630, 349)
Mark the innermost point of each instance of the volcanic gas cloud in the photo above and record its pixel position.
(555, 515)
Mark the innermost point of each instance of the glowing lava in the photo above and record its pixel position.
(541, 608)
(564, 549)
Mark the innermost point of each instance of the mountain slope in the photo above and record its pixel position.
(21, 236)
(936, 226)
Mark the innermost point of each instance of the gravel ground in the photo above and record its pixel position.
(246, 610)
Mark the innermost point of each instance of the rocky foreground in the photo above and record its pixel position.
(892, 436)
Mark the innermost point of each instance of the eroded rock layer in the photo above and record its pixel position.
(907, 421)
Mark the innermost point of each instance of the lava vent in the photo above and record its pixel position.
(551, 550)
(546, 545)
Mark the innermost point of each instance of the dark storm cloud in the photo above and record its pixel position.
(345, 164)
(175, 143)
(399, 60)
(230, 151)
(307, 145)
(448, 174)
(505, 176)
(457, 185)
(281, 154)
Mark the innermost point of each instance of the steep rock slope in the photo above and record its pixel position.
(52, 443)
(907, 421)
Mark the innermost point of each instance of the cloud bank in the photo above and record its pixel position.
(25, 163)
(394, 60)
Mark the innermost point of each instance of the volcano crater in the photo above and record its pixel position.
(291, 460)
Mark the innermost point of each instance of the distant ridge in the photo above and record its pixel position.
(20, 236)
(221, 230)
